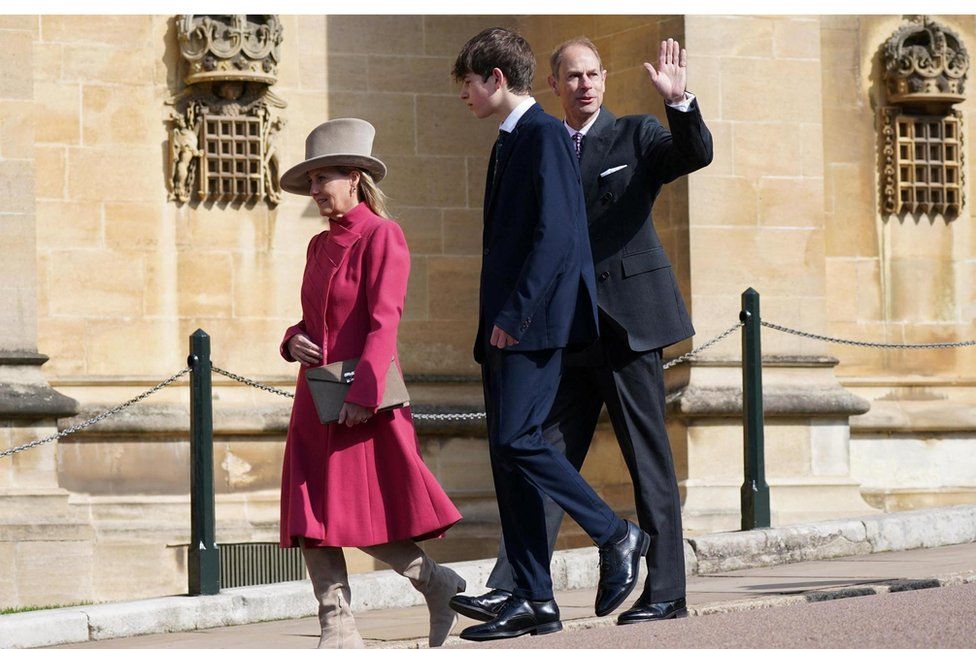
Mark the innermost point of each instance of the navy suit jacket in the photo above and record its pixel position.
(537, 281)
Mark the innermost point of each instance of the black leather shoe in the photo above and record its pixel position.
(619, 566)
(483, 607)
(644, 611)
(518, 617)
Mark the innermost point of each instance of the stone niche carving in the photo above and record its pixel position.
(224, 126)
(922, 147)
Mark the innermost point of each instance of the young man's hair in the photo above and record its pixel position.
(556, 58)
(498, 48)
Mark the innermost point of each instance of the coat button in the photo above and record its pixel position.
(604, 276)
(606, 198)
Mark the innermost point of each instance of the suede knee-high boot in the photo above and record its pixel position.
(435, 582)
(327, 570)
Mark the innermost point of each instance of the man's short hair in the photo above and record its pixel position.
(556, 58)
(498, 48)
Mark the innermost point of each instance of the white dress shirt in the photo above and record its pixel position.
(513, 117)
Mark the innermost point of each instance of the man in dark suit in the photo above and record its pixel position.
(538, 297)
(624, 162)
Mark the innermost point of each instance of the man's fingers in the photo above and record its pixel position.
(651, 71)
(675, 51)
(683, 61)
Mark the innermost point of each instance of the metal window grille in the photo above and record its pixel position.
(252, 564)
(233, 149)
(928, 159)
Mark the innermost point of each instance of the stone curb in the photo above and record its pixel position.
(571, 569)
(752, 604)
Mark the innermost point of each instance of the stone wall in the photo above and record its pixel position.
(756, 219)
(899, 280)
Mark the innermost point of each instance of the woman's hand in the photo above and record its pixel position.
(352, 413)
(304, 350)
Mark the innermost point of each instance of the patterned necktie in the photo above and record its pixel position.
(578, 142)
(499, 143)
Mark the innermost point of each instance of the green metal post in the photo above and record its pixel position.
(755, 491)
(204, 555)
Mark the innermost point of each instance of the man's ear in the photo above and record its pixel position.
(499, 77)
(552, 84)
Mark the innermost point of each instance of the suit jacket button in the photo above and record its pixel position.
(604, 276)
(606, 198)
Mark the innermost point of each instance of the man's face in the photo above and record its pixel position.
(480, 96)
(580, 85)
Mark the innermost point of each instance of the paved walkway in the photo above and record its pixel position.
(755, 588)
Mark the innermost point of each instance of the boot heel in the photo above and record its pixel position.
(549, 627)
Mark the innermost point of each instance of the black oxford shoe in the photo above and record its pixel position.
(483, 607)
(644, 611)
(517, 617)
(619, 567)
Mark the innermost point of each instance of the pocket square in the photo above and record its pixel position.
(612, 170)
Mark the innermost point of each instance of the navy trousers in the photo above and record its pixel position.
(519, 391)
(631, 384)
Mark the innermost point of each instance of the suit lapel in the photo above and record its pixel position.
(596, 146)
(506, 155)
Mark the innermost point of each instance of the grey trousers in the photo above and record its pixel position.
(631, 384)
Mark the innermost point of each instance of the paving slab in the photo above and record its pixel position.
(731, 590)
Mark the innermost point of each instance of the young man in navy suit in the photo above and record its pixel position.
(538, 297)
(623, 164)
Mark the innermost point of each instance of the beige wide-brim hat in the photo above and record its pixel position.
(344, 142)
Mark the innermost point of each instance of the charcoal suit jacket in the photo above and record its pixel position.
(624, 163)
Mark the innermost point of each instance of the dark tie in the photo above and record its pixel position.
(578, 142)
(499, 143)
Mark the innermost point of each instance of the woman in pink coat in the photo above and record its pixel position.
(360, 482)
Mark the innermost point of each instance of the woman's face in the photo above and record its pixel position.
(333, 191)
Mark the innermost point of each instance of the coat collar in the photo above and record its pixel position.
(345, 231)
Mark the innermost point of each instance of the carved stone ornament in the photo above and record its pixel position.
(223, 130)
(923, 144)
(235, 47)
(925, 63)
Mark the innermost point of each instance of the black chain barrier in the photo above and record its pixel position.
(468, 416)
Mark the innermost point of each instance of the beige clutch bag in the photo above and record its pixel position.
(330, 383)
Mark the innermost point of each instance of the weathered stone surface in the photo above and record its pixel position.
(28, 401)
(767, 547)
(691, 559)
(922, 529)
(576, 568)
(722, 401)
(43, 628)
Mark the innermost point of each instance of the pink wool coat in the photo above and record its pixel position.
(366, 484)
